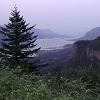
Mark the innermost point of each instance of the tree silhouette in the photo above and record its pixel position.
(18, 44)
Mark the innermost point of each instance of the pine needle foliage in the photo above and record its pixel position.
(18, 44)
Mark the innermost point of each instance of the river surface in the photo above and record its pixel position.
(55, 43)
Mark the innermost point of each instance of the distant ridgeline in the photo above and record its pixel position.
(85, 49)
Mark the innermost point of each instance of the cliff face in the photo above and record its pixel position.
(81, 50)
(93, 53)
(87, 49)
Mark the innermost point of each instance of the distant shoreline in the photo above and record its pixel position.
(58, 48)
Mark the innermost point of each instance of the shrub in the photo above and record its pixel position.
(31, 87)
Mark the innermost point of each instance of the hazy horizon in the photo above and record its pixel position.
(62, 16)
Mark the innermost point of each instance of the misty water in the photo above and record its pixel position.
(55, 43)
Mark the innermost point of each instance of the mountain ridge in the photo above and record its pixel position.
(92, 34)
(47, 34)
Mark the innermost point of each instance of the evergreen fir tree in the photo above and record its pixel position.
(18, 44)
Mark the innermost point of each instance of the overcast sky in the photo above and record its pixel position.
(62, 16)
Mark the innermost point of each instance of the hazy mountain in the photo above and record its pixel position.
(92, 34)
(46, 34)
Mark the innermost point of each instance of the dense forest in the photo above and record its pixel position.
(20, 69)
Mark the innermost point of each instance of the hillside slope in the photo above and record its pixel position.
(92, 34)
(47, 34)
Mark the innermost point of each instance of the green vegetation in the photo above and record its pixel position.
(14, 86)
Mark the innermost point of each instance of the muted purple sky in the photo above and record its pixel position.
(62, 16)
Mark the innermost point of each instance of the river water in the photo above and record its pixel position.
(55, 43)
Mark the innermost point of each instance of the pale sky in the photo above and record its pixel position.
(62, 16)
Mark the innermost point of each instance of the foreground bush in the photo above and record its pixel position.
(30, 87)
